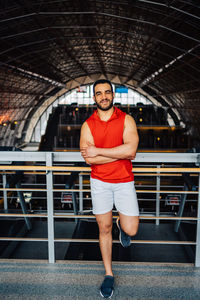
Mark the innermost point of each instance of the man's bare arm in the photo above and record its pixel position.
(86, 140)
(125, 151)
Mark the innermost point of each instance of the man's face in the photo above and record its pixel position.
(103, 96)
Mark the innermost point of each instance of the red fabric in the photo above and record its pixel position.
(109, 134)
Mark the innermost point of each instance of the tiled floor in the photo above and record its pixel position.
(26, 279)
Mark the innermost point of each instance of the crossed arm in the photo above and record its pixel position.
(127, 150)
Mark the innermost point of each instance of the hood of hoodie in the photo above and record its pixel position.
(116, 113)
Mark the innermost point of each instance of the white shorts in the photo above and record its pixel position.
(105, 195)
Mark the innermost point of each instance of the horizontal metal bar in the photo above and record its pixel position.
(168, 218)
(85, 173)
(140, 157)
(75, 156)
(24, 215)
(24, 189)
(23, 239)
(160, 242)
(142, 217)
(150, 174)
(36, 173)
(71, 216)
(166, 191)
(43, 168)
(77, 169)
(132, 242)
(164, 174)
(88, 190)
(23, 156)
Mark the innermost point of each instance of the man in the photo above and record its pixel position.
(108, 142)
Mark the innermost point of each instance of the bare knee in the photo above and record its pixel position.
(131, 229)
(105, 229)
(129, 224)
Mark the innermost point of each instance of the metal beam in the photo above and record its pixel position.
(145, 157)
(50, 209)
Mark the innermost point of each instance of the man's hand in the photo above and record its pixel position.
(89, 151)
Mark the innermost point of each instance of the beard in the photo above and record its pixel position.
(105, 108)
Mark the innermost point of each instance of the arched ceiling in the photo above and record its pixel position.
(48, 46)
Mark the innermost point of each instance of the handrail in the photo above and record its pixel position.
(49, 169)
(88, 190)
(78, 169)
(68, 240)
(71, 156)
(69, 173)
(142, 217)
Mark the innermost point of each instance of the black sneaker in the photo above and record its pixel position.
(124, 238)
(107, 287)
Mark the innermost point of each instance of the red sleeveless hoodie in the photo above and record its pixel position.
(109, 134)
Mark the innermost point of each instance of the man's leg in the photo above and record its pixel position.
(105, 222)
(102, 202)
(127, 207)
(129, 224)
(128, 227)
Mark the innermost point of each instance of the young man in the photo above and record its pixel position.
(108, 142)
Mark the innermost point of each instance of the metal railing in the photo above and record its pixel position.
(54, 163)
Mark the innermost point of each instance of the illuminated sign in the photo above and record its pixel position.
(121, 89)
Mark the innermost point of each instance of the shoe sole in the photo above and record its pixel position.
(106, 297)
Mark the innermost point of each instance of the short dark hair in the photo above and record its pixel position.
(101, 81)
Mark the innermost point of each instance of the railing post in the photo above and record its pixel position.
(5, 193)
(80, 193)
(197, 256)
(49, 183)
(181, 208)
(23, 206)
(158, 197)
